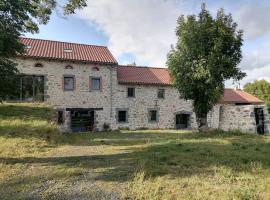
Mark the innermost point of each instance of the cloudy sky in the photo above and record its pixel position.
(143, 30)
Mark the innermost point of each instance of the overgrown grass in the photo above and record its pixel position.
(37, 162)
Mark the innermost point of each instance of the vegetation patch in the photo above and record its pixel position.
(38, 162)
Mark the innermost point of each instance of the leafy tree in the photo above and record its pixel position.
(260, 89)
(18, 17)
(207, 53)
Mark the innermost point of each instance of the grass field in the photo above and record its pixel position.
(37, 162)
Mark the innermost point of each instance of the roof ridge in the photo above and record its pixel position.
(138, 66)
(64, 42)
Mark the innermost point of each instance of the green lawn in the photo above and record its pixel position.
(37, 162)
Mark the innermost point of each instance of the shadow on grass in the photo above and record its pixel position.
(176, 158)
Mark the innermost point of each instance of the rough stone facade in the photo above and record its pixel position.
(113, 97)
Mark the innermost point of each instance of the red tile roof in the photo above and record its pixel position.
(238, 96)
(142, 75)
(38, 48)
(160, 76)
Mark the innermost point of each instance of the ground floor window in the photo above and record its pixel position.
(182, 121)
(122, 116)
(28, 88)
(152, 115)
(60, 117)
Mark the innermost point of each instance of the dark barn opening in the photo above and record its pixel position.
(259, 118)
(181, 121)
(82, 120)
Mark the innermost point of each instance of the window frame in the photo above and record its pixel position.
(163, 89)
(128, 92)
(62, 116)
(149, 115)
(91, 83)
(117, 116)
(73, 83)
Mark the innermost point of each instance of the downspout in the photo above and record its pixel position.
(111, 93)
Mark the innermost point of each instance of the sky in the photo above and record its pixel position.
(142, 31)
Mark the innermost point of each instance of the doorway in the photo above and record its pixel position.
(259, 118)
(82, 120)
(181, 121)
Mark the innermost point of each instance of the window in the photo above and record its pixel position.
(68, 67)
(95, 69)
(38, 65)
(60, 117)
(68, 50)
(69, 83)
(122, 116)
(95, 84)
(131, 92)
(153, 116)
(27, 88)
(161, 93)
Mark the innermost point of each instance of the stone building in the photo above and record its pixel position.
(90, 91)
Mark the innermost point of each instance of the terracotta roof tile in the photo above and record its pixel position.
(79, 52)
(143, 75)
(238, 96)
(160, 76)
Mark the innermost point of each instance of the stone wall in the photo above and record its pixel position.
(112, 97)
(213, 117)
(145, 99)
(81, 97)
(241, 117)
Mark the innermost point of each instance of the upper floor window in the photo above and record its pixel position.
(161, 93)
(69, 83)
(95, 69)
(95, 83)
(130, 92)
(68, 67)
(38, 65)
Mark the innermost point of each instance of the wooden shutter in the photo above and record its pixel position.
(90, 84)
(63, 83)
(74, 83)
(101, 84)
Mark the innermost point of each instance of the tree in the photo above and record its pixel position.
(260, 89)
(18, 17)
(207, 53)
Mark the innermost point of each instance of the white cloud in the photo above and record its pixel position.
(146, 29)
(254, 19)
(143, 28)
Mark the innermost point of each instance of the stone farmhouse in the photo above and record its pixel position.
(90, 91)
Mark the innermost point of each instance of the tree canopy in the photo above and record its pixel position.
(16, 18)
(260, 89)
(206, 54)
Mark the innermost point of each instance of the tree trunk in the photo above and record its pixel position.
(202, 122)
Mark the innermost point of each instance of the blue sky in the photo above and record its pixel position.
(142, 31)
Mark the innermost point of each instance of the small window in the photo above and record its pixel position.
(68, 83)
(68, 67)
(95, 69)
(60, 117)
(153, 116)
(161, 93)
(38, 65)
(95, 84)
(130, 92)
(28, 46)
(67, 50)
(122, 116)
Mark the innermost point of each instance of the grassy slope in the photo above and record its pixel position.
(36, 161)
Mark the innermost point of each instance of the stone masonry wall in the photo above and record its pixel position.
(110, 99)
(241, 117)
(145, 99)
(81, 97)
